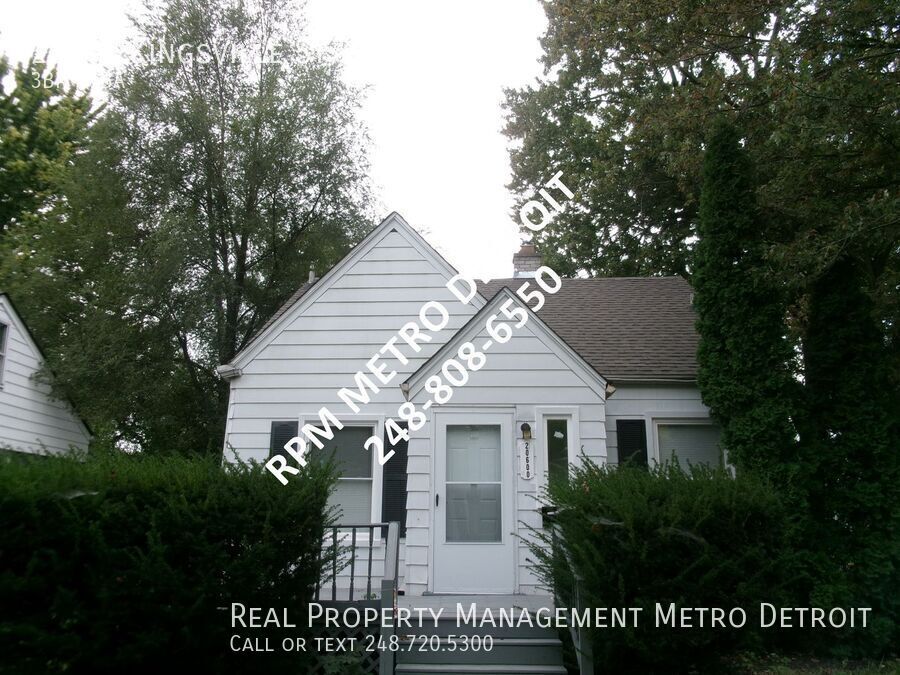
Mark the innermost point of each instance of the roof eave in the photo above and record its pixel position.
(651, 379)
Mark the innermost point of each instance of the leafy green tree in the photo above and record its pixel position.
(42, 128)
(78, 277)
(228, 162)
(743, 353)
(628, 94)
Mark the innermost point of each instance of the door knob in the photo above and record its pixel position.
(437, 499)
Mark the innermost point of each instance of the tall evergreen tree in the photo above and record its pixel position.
(851, 447)
(743, 354)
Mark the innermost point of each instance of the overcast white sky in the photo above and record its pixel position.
(435, 71)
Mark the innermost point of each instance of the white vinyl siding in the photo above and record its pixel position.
(507, 381)
(316, 351)
(31, 420)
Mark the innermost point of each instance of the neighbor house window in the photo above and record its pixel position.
(353, 494)
(4, 329)
(691, 443)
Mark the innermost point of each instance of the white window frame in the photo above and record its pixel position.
(375, 422)
(570, 413)
(3, 345)
(655, 419)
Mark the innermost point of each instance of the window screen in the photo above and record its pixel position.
(353, 494)
(690, 443)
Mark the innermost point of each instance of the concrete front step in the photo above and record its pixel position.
(505, 651)
(449, 626)
(490, 669)
(516, 647)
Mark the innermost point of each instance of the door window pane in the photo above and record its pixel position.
(473, 512)
(690, 443)
(473, 453)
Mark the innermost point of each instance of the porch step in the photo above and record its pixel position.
(425, 647)
(526, 650)
(503, 651)
(426, 669)
(449, 626)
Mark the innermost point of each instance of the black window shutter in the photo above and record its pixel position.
(281, 433)
(393, 492)
(632, 439)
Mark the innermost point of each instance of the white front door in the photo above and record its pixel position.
(474, 499)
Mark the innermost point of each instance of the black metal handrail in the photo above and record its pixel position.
(389, 584)
(390, 536)
(349, 532)
(584, 650)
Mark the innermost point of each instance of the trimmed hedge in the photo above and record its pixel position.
(696, 538)
(130, 563)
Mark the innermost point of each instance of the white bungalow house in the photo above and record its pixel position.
(32, 420)
(605, 369)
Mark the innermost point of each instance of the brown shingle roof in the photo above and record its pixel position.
(626, 328)
(639, 328)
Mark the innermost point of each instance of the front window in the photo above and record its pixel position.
(353, 494)
(689, 443)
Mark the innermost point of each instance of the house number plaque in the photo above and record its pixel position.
(526, 459)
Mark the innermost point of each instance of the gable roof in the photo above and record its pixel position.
(308, 292)
(538, 328)
(637, 329)
(627, 328)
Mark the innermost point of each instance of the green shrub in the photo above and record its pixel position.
(696, 538)
(131, 563)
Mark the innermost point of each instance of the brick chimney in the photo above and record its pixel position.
(526, 261)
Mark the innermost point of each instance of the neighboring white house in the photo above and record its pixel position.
(31, 419)
(605, 369)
